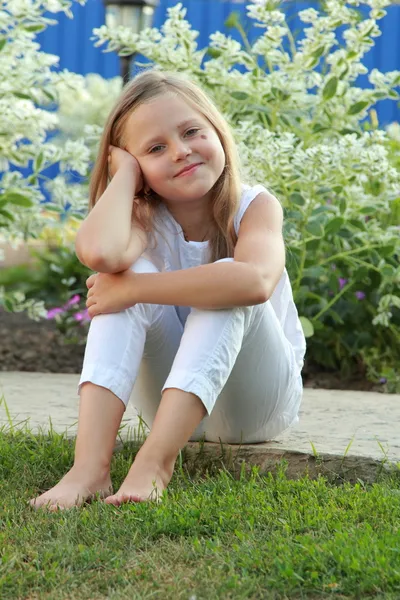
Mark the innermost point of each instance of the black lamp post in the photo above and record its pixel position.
(136, 14)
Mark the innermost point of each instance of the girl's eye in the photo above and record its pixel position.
(159, 146)
(193, 129)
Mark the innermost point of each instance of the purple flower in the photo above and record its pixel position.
(383, 380)
(82, 316)
(360, 295)
(329, 201)
(342, 282)
(74, 300)
(53, 312)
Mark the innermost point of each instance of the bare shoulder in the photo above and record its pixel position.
(264, 211)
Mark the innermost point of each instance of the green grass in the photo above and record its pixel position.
(254, 537)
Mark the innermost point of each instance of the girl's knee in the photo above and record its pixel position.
(144, 265)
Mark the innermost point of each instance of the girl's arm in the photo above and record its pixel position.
(105, 235)
(249, 279)
(259, 261)
(212, 286)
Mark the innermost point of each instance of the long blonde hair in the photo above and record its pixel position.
(153, 83)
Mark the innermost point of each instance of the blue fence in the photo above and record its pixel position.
(70, 38)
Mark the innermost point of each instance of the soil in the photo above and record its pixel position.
(27, 345)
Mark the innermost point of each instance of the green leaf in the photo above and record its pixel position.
(285, 120)
(3, 42)
(125, 52)
(35, 28)
(307, 326)
(53, 208)
(334, 225)
(233, 19)
(358, 107)
(297, 198)
(352, 54)
(387, 250)
(379, 95)
(9, 305)
(214, 52)
(344, 72)
(240, 95)
(315, 228)
(330, 88)
(319, 127)
(313, 245)
(7, 214)
(358, 224)
(49, 94)
(348, 131)
(361, 273)
(22, 95)
(38, 162)
(318, 52)
(17, 199)
(314, 272)
(335, 316)
(387, 271)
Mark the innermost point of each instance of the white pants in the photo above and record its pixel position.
(236, 360)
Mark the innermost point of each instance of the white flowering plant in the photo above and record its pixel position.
(29, 93)
(306, 131)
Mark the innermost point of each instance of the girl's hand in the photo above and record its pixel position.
(110, 292)
(117, 158)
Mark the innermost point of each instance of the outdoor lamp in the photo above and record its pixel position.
(135, 14)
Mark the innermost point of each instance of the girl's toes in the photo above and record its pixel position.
(112, 500)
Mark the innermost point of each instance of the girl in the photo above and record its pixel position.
(191, 306)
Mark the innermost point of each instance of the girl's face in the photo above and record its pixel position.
(165, 135)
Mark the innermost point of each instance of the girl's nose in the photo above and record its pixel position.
(181, 151)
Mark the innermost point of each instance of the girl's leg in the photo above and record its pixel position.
(236, 366)
(177, 417)
(239, 362)
(100, 414)
(115, 346)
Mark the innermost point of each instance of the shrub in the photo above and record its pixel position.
(300, 122)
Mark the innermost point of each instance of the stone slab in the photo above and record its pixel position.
(329, 419)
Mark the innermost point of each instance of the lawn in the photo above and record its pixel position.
(212, 537)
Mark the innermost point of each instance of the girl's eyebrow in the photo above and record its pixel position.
(179, 126)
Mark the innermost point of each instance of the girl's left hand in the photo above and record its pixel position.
(110, 292)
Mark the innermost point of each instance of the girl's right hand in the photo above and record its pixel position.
(117, 158)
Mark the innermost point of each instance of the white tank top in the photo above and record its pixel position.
(172, 253)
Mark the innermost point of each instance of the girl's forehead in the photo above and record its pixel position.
(164, 108)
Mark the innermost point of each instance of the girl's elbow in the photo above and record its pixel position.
(261, 297)
(262, 292)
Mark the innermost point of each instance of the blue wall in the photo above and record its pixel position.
(70, 39)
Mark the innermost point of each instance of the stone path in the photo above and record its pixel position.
(329, 419)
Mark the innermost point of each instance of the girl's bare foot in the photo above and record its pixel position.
(76, 487)
(146, 480)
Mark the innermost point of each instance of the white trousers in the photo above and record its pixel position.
(236, 360)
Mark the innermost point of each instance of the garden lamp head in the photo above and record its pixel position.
(135, 14)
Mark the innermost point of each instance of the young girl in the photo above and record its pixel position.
(191, 306)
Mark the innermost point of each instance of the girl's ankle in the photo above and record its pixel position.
(86, 468)
(154, 460)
